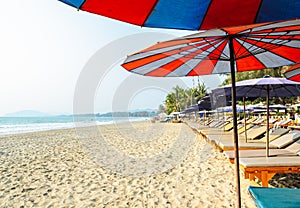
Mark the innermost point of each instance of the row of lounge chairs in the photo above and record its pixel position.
(284, 155)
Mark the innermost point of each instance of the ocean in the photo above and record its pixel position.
(17, 125)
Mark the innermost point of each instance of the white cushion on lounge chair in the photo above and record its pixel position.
(292, 150)
(227, 145)
(255, 132)
(286, 139)
(270, 161)
(279, 143)
(275, 134)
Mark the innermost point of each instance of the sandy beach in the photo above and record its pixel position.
(169, 166)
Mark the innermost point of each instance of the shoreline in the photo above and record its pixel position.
(52, 168)
(68, 125)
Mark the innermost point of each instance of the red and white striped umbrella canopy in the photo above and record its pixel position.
(293, 73)
(191, 14)
(250, 47)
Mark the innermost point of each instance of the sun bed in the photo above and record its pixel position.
(256, 132)
(286, 139)
(250, 123)
(294, 127)
(251, 120)
(272, 120)
(215, 123)
(274, 134)
(292, 150)
(283, 123)
(213, 131)
(226, 142)
(228, 126)
(275, 197)
(228, 145)
(264, 168)
(242, 128)
(281, 142)
(258, 121)
(221, 124)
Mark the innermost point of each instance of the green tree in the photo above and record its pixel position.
(200, 91)
(190, 96)
(170, 102)
(180, 98)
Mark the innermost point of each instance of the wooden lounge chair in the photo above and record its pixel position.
(281, 142)
(291, 150)
(228, 126)
(221, 124)
(264, 168)
(275, 197)
(272, 120)
(251, 120)
(242, 128)
(256, 132)
(259, 121)
(216, 123)
(226, 146)
(274, 134)
(226, 143)
(213, 131)
(283, 123)
(286, 139)
(212, 122)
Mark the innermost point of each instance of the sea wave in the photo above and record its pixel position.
(25, 125)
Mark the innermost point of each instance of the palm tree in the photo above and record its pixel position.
(190, 98)
(170, 103)
(200, 92)
(179, 97)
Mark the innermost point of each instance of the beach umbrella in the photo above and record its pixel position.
(239, 109)
(191, 14)
(202, 105)
(293, 73)
(223, 50)
(263, 87)
(191, 109)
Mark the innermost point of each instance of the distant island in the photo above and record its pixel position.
(133, 113)
(128, 114)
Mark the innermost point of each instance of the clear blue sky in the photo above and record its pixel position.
(44, 47)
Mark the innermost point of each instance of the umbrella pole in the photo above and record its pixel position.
(268, 114)
(245, 119)
(235, 130)
(224, 120)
